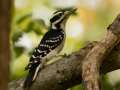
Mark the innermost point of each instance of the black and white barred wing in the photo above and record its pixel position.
(51, 40)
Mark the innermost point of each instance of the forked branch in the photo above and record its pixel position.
(67, 72)
(93, 61)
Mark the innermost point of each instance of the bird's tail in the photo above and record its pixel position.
(31, 77)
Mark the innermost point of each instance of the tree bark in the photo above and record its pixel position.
(5, 16)
(67, 72)
(93, 60)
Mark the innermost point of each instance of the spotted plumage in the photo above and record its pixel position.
(51, 44)
(50, 41)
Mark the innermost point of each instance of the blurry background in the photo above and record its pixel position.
(31, 20)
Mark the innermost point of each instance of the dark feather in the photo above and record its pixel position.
(28, 81)
(32, 66)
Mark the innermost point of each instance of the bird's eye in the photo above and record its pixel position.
(56, 17)
(60, 14)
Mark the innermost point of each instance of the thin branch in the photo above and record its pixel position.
(66, 72)
(93, 60)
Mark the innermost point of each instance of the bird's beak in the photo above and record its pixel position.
(71, 11)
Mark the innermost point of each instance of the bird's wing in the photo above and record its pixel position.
(52, 38)
(49, 42)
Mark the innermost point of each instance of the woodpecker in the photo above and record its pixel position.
(50, 45)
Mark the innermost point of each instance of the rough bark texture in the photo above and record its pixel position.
(4, 43)
(93, 60)
(67, 72)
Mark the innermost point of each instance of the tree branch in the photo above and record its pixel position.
(93, 60)
(66, 72)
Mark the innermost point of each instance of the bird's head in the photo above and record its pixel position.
(60, 17)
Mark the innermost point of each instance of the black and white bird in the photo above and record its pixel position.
(50, 45)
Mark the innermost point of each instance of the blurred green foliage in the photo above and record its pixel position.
(27, 28)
